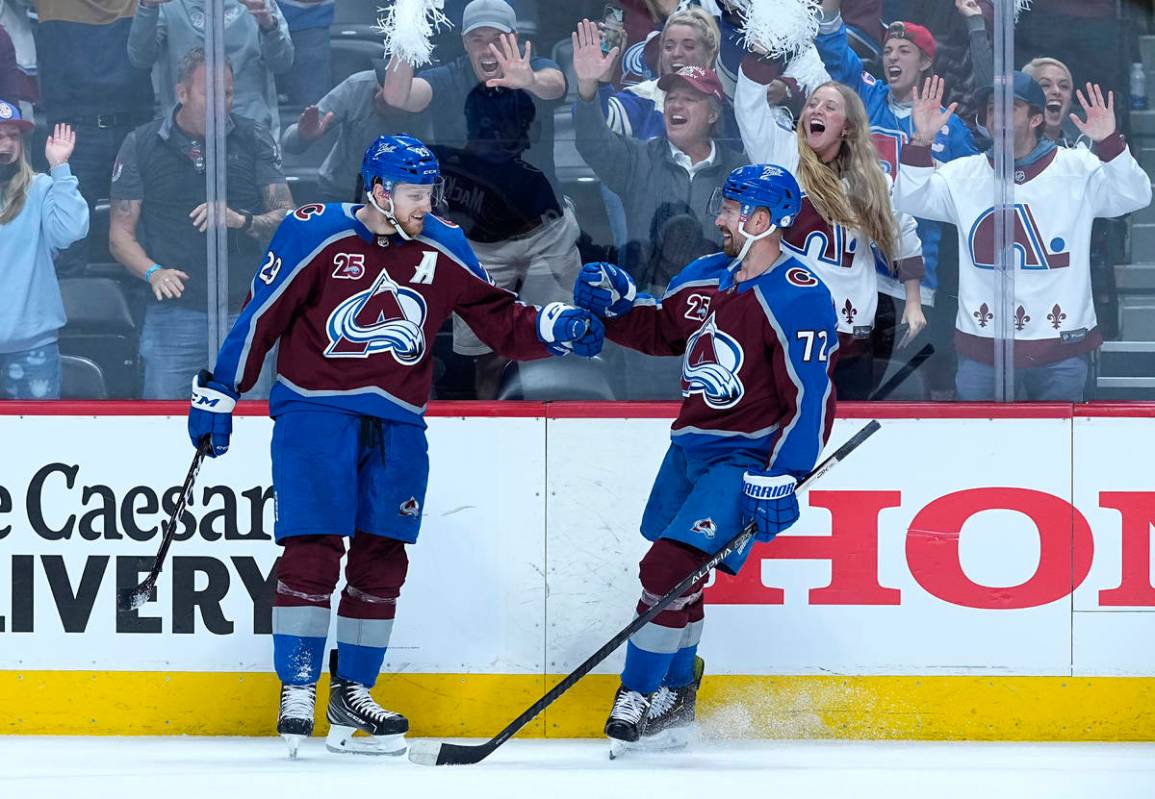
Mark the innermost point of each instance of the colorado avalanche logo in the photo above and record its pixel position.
(410, 507)
(705, 527)
(383, 318)
(711, 366)
(801, 278)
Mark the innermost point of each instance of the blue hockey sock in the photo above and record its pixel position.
(681, 667)
(360, 664)
(298, 659)
(644, 670)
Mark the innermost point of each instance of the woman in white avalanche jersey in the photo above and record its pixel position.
(847, 225)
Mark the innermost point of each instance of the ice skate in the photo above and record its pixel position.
(295, 720)
(352, 708)
(627, 720)
(670, 723)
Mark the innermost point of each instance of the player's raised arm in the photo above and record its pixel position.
(508, 326)
(638, 321)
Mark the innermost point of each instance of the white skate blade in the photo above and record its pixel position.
(341, 741)
(294, 744)
(619, 748)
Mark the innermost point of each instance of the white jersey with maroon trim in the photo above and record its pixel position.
(845, 260)
(1056, 200)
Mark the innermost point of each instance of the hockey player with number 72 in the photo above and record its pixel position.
(354, 294)
(759, 338)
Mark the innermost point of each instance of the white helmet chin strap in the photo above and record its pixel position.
(751, 238)
(389, 216)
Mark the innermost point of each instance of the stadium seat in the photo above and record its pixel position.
(100, 328)
(356, 12)
(81, 378)
(569, 378)
(352, 55)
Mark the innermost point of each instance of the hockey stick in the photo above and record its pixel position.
(900, 376)
(433, 753)
(133, 598)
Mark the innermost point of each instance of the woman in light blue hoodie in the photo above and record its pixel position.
(39, 216)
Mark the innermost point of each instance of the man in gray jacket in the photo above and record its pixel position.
(665, 183)
(257, 44)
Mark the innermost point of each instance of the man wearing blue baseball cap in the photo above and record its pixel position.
(39, 215)
(1059, 192)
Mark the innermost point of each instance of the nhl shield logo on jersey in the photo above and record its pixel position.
(383, 318)
(710, 366)
(411, 507)
(705, 527)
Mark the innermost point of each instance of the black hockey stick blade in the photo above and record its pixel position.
(435, 753)
(132, 598)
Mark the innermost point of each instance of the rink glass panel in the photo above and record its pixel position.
(1115, 50)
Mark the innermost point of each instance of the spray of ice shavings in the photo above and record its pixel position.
(785, 709)
(779, 28)
(408, 27)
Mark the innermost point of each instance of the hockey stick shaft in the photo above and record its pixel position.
(899, 377)
(458, 754)
(132, 598)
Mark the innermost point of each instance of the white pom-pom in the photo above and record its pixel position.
(779, 28)
(808, 70)
(408, 27)
(1021, 6)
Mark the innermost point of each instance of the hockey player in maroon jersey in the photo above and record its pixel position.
(354, 294)
(759, 338)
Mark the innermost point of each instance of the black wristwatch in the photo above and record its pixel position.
(248, 223)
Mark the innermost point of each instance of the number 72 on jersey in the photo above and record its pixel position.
(810, 337)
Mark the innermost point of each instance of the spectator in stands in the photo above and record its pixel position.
(847, 224)
(630, 31)
(493, 57)
(159, 219)
(1059, 192)
(521, 230)
(87, 81)
(257, 44)
(1059, 87)
(13, 81)
(908, 54)
(690, 38)
(39, 214)
(309, 79)
(16, 18)
(664, 182)
(356, 112)
(1086, 33)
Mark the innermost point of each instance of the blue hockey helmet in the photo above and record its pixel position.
(399, 159)
(762, 186)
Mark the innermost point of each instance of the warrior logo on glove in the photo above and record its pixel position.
(711, 365)
(383, 318)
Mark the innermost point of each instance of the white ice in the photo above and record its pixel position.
(221, 768)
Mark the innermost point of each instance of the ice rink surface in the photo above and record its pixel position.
(221, 768)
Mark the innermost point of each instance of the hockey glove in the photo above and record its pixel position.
(605, 289)
(768, 501)
(211, 413)
(565, 329)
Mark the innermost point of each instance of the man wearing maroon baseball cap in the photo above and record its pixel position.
(691, 111)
